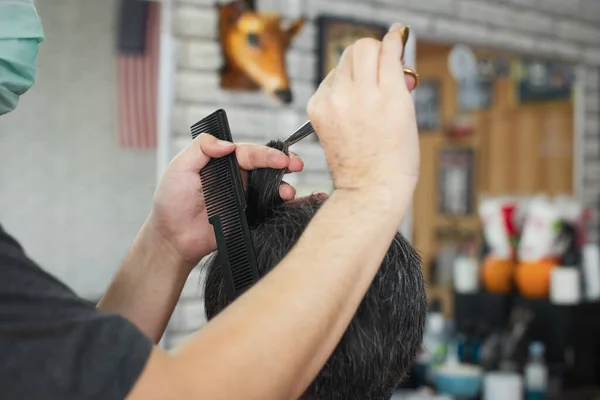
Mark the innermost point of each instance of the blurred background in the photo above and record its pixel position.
(505, 213)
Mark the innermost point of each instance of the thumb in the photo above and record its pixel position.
(200, 151)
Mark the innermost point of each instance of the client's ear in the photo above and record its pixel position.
(262, 191)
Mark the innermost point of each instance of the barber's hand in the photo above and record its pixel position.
(365, 119)
(179, 213)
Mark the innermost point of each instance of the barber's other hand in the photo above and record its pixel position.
(365, 119)
(179, 214)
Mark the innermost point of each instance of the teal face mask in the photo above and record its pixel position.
(20, 35)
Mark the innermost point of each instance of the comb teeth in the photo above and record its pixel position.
(209, 126)
(225, 205)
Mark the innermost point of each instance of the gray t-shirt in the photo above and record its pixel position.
(53, 344)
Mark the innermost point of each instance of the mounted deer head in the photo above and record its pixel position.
(254, 46)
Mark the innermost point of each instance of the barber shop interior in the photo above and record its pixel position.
(501, 240)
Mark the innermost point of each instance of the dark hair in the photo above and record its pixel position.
(379, 346)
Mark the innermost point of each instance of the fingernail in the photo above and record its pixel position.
(396, 27)
(403, 29)
(224, 143)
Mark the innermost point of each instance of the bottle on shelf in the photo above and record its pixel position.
(434, 340)
(536, 373)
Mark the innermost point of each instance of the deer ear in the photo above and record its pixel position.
(295, 28)
(231, 12)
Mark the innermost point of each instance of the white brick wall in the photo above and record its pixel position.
(487, 12)
(534, 21)
(568, 30)
(592, 137)
(560, 7)
(591, 56)
(579, 31)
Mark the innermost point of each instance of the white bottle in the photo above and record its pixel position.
(536, 373)
(433, 343)
(591, 271)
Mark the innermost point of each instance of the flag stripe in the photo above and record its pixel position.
(137, 79)
(152, 85)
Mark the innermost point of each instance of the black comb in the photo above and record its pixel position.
(225, 200)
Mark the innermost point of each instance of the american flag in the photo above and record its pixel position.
(137, 80)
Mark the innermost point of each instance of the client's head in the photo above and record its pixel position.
(379, 346)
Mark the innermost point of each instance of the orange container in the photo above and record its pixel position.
(497, 275)
(533, 278)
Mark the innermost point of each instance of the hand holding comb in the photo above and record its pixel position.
(225, 199)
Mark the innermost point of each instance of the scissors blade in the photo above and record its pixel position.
(305, 130)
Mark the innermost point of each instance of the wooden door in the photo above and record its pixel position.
(519, 150)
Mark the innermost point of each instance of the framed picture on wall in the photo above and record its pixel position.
(456, 181)
(540, 81)
(427, 106)
(475, 94)
(335, 34)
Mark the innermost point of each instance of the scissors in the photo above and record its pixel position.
(307, 129)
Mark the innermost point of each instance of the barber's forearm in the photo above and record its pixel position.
(148, 284)
(274, 340)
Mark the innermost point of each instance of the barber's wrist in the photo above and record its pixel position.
(391, 200)
(156, 246)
